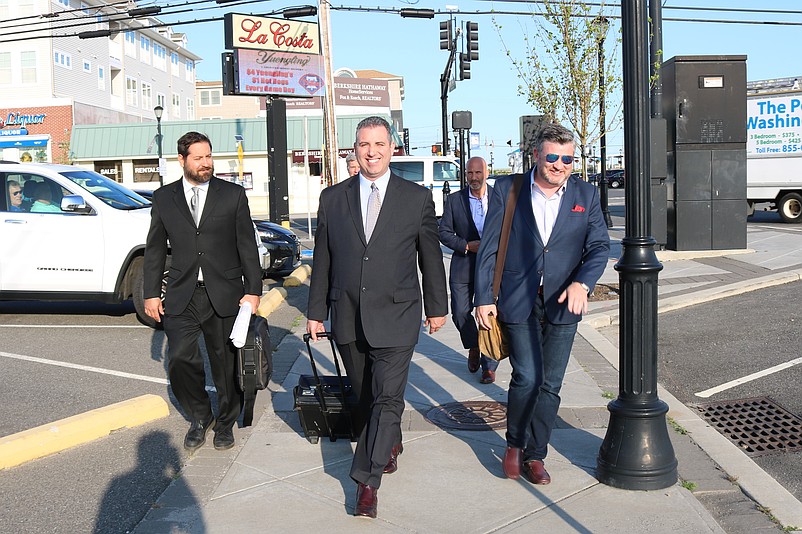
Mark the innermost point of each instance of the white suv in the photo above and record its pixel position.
(68, 233)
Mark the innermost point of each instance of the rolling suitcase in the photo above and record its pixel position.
(325, 404)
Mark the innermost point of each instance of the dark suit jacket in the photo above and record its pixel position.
(456, 229)
(223, 245)
(377, 281)
(577, 251)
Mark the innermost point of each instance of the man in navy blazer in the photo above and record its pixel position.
(461, 230)
(558, 249)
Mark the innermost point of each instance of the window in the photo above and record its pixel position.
(190, 109)
(144, 49)
(130, 43)
(26, 8)
(174, 62)
(190, 75)
(87, 66)
(176, 106)
(131, 91)
(62, 59)
(101, 79)
(5, 68)
(28, 64)
(159, 57)
(5, 11)
(408, 170)
(147, 96)
(445, 171)
(210, 97)
(161, 100)
(65, 3)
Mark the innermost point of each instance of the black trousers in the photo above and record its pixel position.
(185, 366)
(378, 377)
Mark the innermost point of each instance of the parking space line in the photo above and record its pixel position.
(748, 378)
(121, 374)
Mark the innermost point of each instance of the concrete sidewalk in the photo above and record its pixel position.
(276, 481)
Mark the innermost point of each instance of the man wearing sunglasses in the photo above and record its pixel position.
(14, 196)
(558, 249)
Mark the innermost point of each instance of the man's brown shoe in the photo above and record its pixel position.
(367, 501)
(535, 472)
(474, 360)
(392, 465)
(488, 377)
(512, 463)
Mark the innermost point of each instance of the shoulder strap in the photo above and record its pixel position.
(504, 239)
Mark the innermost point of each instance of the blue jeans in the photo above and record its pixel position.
(539, 353)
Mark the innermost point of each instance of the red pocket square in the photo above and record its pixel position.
(577, 209)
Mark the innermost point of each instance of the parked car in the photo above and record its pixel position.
(279, 248)
(615, 179)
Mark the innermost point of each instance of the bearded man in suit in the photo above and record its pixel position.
(373, 231)
(214, 270)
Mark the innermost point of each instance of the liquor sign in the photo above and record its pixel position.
(261, 33)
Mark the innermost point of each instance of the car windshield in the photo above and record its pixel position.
(110, 192)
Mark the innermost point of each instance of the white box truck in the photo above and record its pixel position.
(774, 146)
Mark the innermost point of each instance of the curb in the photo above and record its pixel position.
(60, 435)
(271, 300)
(298, 276)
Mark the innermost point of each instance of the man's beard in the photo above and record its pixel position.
(197, 177)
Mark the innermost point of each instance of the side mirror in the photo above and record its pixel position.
(74, 203)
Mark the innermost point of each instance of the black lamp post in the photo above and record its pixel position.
(602, 25)
(158, 110)
(637, 453)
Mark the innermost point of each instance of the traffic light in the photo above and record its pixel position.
(447, 34)
(464, 67)
(437, 149)
(472, 47)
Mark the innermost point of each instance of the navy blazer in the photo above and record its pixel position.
(456, 229)
(577, 251)
(376, 283)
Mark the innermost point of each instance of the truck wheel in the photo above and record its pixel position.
(138, 290)
(750, 208)
(790, 208)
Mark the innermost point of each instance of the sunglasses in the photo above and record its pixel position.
(15, 193)
(552, 158)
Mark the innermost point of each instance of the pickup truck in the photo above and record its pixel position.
(72, 234)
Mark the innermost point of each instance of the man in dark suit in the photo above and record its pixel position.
(460, 230)
(373, 231)
(558, 248)
(214, 270)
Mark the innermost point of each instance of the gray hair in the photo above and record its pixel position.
(374, 122)
(350, 157)
(554, 133)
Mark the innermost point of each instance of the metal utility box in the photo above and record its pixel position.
(704, 103)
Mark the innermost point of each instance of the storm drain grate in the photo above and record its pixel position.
(469, 415)
(758, 425)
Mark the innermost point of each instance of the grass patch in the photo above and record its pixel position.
(688, 485)
(678, 428)
(609, 395)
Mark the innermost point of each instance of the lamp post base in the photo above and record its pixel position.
(637, 453)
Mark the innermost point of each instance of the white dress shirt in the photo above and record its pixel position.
(478, 210)
(203, 190)
(545, 209)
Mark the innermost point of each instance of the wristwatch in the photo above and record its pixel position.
(583, 286)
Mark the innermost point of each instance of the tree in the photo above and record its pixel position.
(560, 69)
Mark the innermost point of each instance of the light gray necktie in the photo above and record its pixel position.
(193, 204)
(374, 206)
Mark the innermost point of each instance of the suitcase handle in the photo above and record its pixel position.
(318, 384)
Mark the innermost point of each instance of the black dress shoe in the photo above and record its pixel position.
(224, 439)
(474, 360)
(392, 465)
(196, 436)
(535, 472)
(367, 501)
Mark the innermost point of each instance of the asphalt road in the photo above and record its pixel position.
(107, 485)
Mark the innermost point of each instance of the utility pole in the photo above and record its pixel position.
(329, 116)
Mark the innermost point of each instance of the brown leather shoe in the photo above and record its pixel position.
(488, 377)
(535, 472)
(474, 361)
(367, 501)
(392, 465)
(512, 463)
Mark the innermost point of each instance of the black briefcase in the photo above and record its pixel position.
(254, 365)
(325, 404)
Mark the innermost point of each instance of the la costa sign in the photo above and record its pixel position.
(261, 33)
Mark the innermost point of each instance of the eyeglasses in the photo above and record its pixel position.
(15, 193)
(552, 158)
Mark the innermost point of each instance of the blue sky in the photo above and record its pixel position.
(410, 48)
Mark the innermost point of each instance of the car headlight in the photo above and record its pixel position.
(267, 234)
